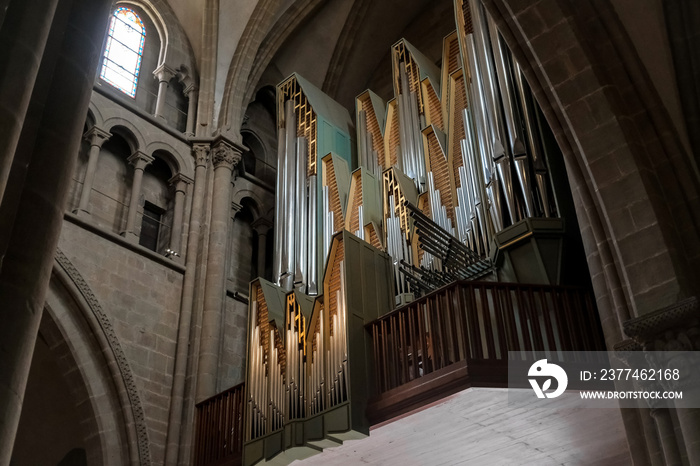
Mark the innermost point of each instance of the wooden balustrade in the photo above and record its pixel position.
(219, 433)
(480, 322)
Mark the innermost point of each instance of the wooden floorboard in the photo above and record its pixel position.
(478, 426)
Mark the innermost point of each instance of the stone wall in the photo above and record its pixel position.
(142, 300)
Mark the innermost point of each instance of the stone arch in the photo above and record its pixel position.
(176, 50)
(157, 20)
(79, 322)
(126, 129)
(258, 45)
(95, 114)
(633, 186)
(168, 154)
(256, 150)
(257, 203)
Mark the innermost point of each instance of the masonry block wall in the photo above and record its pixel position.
(142, 299)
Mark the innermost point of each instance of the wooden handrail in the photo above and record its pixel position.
(480, 321)
(219, 432)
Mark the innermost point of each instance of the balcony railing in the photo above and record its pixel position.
(456, 337)
(480, 322)
(220, 428)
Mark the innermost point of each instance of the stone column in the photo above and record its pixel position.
(23, 35)
(164, 74)
(179, 182)
(667, 435)
(192, 94)
(139, 160)
(180, 419)
(52, 149)
(226, 155)
(670, 338)
(96, 137)
(262, 228)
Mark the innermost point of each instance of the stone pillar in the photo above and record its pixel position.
(181, 417)
(139, 160)
(670, 338)
(52, 151)
(262, 228)
(226, 155)
(192, 94)
(164, 74)
(96, 137)
(23, 35)
(179, 182)
(667, 435)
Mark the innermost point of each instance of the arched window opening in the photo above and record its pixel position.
(123, 52)
(157, 218)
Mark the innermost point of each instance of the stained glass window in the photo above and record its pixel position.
(122, 58)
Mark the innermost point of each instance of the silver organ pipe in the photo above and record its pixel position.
(405, 136)
(515, 136)
(529, 118)
(312, 249)
(300, 213)
(279, 205)
(493, 104)
(286, 278)
(328, 225)
(473, 163)
(483, 137)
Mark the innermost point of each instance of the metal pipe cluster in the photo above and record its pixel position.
(257, 380)
(397, 248)
(502, 105)
(366, 155)
(294, 264)
(337, 361)
(295, 380)
(412, 161)
(316, 385)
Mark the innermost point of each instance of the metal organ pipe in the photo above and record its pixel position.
(515, 136)
(279, 204)
(484, 136)
(300, 220)
(529, 117)
(312, 237)
(493, 104)
(286, 279)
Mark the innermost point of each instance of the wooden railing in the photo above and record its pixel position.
(219, 430)
(480, 321)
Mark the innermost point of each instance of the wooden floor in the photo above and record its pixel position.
(479, 427)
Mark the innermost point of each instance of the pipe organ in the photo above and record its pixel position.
(448, 181)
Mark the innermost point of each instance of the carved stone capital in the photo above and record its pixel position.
(180, 182)
(164, 73)
(262, 226)
(191, 91)
(140, 159)
(96, 136)
(201, 154)
(674, 328)
(225, 155)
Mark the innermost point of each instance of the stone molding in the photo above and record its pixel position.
(97, 136)
(180, 182)
(164, 73)
(119, 355)
(201, 154)
(661, 325)
(226, 155)
(262, 225)
(140, 159)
